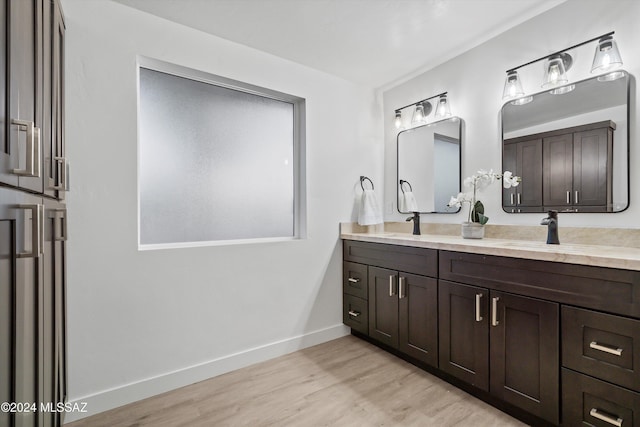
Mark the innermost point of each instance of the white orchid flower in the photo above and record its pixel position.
(509, 180)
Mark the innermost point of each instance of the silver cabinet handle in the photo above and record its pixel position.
(511, 196)
(611, 419)
(607, 349)
(61, 176)
(354, 313)
(575, 197)
(391, 291)
(494, 311)
(478, 308)
(568, 197)
(402, 281)
(519, 198)
(353, 280)
(62, 236)
(33, 142)
(37, 231)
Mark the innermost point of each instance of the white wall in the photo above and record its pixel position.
(475, 81)
(140, 323)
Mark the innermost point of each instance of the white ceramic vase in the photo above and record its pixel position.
(472, 230)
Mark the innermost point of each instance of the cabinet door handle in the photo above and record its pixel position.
(402, 281)
(607, 418)
(37, 231)
(353, 280)
(519, 198)
(575, 197)
(62, 236)
(568, 197)
(391, 290)
(61, 177)
(33, 142)
(511, 196)
(494, 311)
(354, 313)
(478, 308)
(607, 349)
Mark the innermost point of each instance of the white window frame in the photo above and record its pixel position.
(299, 151)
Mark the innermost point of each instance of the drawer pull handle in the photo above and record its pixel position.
(494, 311)
(354, 313)
(611, 419)
(353, 280)
(478, 308)
(611, 350)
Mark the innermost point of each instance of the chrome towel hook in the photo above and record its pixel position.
(402, 181)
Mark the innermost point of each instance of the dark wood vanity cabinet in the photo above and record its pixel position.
(559, 341)
(567, 170)
(401, 305)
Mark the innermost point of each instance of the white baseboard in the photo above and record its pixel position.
(115, 397)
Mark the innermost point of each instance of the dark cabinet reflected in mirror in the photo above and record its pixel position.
(429, 166)
(570, 149)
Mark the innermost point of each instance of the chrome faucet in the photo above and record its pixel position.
(551, 222)
(416, 223)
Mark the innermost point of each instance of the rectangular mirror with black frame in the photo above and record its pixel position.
(429, 158)
(571, 148)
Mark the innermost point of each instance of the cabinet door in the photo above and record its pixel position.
(464, 332)
(524, 353)
(509, 163)
(383, 305)
(529, 168)
(8, 236)
(557, 183)
(21, 216)
(418, 317)
(592, 168)
(24, 92)
(55, 177)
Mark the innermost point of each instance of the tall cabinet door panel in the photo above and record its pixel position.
(7, 299)
(21, 216)
(529, 192)
(464, 332)
(592, 168)
(24, 115)
(383, 305)
(557, 174)
(418, 317)
(524, 353)
(7, 147)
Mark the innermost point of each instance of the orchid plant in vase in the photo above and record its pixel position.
(475, 183)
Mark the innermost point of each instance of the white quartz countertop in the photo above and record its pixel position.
(594, 255)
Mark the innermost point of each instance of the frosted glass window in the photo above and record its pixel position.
(216, 163)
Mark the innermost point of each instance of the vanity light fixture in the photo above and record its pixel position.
(606, 58)
(442, 109)
(421, 110)
(398, 120)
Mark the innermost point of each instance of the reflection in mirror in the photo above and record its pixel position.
(571, 149)
(429, 166)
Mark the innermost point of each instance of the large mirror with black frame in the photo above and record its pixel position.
(429, 166)
(571, 149)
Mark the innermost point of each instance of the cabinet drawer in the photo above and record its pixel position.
(355, 313)
(587, 401)
(420, 261)
(354, 279)
(602, 345)
(607, 289)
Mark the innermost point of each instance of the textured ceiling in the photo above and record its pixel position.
(374, 42)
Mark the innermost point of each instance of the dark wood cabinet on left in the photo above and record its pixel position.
(33, 218)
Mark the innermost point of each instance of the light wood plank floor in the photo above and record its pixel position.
(345, 382)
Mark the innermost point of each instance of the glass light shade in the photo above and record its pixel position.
(609, 77)
(512, 86)
(398, 120)
(562, 90)
(607, 56)
(522, 101)
(442, 109)
(554, 72)
(419, 115)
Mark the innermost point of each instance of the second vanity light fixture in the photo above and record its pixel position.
(606, 58)
(423, 108)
